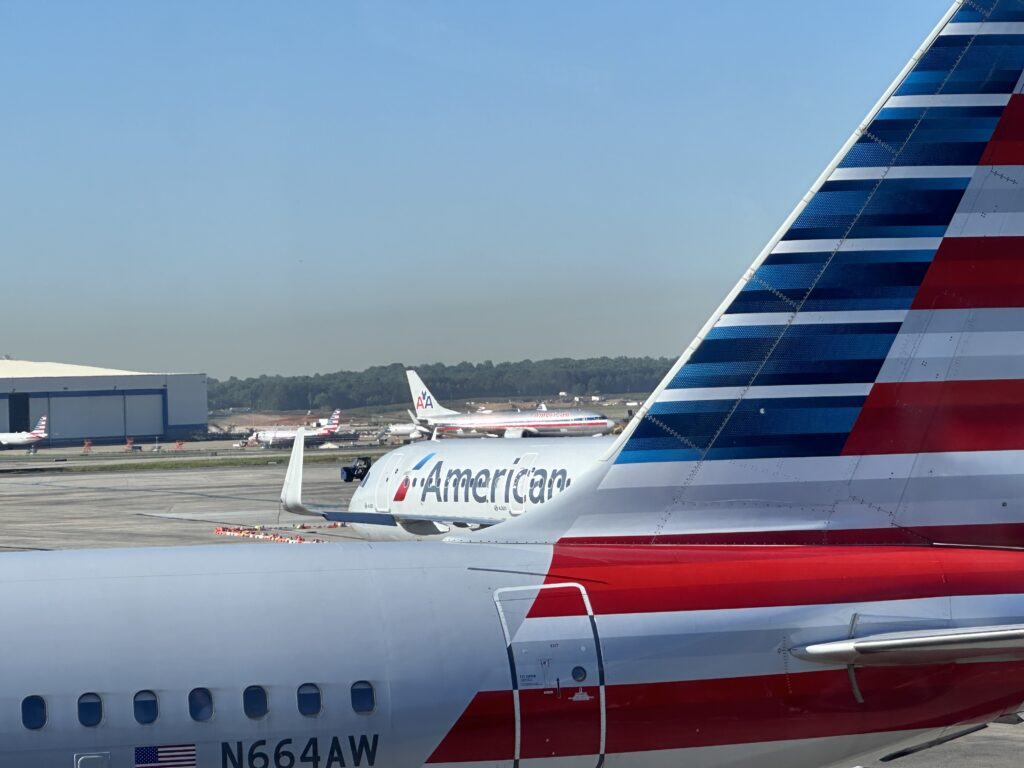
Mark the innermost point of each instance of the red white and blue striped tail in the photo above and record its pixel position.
(40, 430)
(332, 423)
(864, 381)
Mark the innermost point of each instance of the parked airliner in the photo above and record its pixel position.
(424, 489)
(285, 436)
(21, 439)
(407, 432)
(539, 423)
(861, 384)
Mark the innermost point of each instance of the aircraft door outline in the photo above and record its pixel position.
(383, 489)
(557, 671)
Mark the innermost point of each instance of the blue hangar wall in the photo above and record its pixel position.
(107, 408)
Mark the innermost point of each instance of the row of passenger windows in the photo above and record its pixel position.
(308, 698)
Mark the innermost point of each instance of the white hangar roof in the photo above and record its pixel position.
(30, 369)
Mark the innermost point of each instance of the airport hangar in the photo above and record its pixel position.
(100, 404)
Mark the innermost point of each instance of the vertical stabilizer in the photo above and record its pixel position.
(424, 402)
(333, 423)
(864, 381)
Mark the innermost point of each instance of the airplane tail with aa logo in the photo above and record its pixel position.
(424, 402)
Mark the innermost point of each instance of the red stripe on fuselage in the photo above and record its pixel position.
(674, 714)
(1006, 147)
(939, 416)
(992, 534)
(974, 272)
(651, 579)
(485, 731)
(555, 724)
(743, 710)
(702, 713)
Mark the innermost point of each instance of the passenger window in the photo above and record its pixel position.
(146, 707)
(90, 709)
(362, 697)
(33, 712)
(310, 701)
(200, 704)
(254, 702)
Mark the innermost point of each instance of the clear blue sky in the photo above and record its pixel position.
(244, 187)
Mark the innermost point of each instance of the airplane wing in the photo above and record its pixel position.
(927, 646)
(291, 501)
(291, 491)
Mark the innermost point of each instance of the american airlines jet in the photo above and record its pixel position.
(426, 489)
(539, 423)
(860, 385)
(21, 439)
(286, 435)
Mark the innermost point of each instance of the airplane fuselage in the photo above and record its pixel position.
(532, 423)
(573, 655)
(18, 439)
(482, 478)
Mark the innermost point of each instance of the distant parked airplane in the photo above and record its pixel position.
(539, 423)
(286, 435)
(17, 439)
(425, 489)
(406, 432)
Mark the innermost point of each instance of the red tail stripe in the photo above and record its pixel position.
(650, 579)
(1006, 147)
(939, 416)
(973, 272)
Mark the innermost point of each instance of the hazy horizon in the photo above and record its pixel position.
(241, 189)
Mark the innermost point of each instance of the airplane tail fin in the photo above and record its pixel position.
(40, 430)
(333, 423)
(424, 402)
(864, 380)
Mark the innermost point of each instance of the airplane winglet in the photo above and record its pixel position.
(291, 491)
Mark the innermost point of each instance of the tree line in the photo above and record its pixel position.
(383, 385)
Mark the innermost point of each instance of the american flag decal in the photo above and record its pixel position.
(166, 756)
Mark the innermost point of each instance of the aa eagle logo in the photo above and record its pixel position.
(424, 400)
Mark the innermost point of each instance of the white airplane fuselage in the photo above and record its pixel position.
(491, 480)
(16, 439)
(572, 422)
(564, 655)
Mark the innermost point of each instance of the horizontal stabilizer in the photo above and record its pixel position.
(385, 518)
(362, 518)
(928, 646)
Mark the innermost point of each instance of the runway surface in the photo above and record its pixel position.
(998, 746)
(155, 507)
